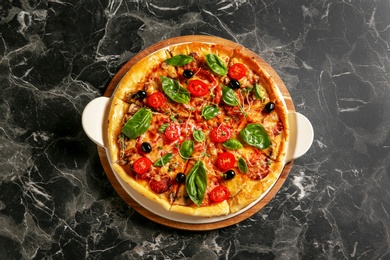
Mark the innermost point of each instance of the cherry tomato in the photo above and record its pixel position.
(237, 71)
(220, 134)
(172, 132)
(225, 161)
(198, 88)
(219, 193)
(142, 165)
(156, 100)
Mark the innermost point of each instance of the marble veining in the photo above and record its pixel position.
(55, 199)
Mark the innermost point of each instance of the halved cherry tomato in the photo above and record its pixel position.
(198, 88)
(156, 100)
(142, 165)
(172, 132)
(220, 134)
(225, 161)
(219, 193)
(237, 71)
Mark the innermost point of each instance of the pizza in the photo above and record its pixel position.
(199, 128)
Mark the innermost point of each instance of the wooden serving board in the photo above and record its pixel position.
(179, 225)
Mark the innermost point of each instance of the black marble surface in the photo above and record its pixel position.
(55, 199)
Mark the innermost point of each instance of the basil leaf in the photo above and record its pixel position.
(163, 160)
(209, 112)
(216, 64)
(175, 91)
(196, 183)
(162, 128)
(257, 91)
(255, 135)
(138, 124)
(179, 60)
(233, 144)
(229, 96)
(198, 135)
(242, 166)
(186, 149)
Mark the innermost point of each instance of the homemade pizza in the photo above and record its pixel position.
(199, 128)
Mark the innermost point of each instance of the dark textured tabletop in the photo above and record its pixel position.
(56, 201)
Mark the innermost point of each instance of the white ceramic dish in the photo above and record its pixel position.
(94, 121)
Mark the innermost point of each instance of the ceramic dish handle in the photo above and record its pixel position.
(95, 114)
(301, 136)
(94, 119)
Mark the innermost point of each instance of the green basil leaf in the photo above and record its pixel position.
(138, 124)
(233, 144)
(209, 112)
(163, 160)
(229, 96)
(255, 135)
(216, 64)
(186, 149)
(198, 135)
(196, 183)
(163, 127)
(242, 166)
(179, 60)
(257, 90)
(175, 91)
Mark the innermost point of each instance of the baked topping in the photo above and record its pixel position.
(200, 130)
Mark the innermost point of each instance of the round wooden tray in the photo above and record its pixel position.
(158, 219)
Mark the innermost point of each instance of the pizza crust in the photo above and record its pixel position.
(135, 77)
(218, 209)
(142, 186)
(117, 112)
(252, 190)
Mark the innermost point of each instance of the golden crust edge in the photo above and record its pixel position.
(138, 72)
(248, 195)
(208, 211)
(137, 186)
(117, 111)
(214, 210)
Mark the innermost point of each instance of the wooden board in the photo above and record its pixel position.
(184, 226)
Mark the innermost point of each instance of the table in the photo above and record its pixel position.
(56, 201)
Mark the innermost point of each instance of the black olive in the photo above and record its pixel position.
(188, 74)
(141, 94)
(180, 177)
(269, 107)
(229, 174)
(146, 147)
(234, 84)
